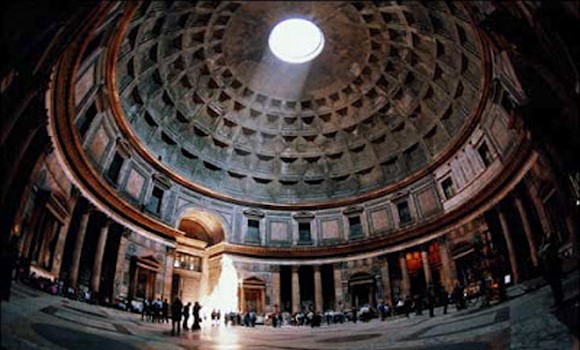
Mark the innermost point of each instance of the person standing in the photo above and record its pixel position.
(176, 309)
(186, 310)
(165, 311)
(196, 320)
(431, 301)
(444, 299)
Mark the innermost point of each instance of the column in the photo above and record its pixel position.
(275, 297)
(426, 268)
(122, 288)
(168, 278)
(405, 281)
(262, 301)
(317, 289)
(61, 240)
(539, 206)
(76, 258)
(337, 271)
(510, 245)
(242, 297)
(98, 263)
(527, 230)
(296, 307)
(448, 274)
(388, 297)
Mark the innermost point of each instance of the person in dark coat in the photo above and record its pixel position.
(196, 319)
(165, 311)
(176, 309)
(431, 301)
(186, 309)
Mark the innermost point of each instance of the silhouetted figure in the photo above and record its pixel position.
(407, 305)
(165, 310)
(186, 310)
(431, 301)
(418, 304)
(458, 296)
(176, 309)
(552, 268)
(196, 319)
(444, 298)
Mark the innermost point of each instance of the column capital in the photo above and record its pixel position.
(316, 268)
(295, 268)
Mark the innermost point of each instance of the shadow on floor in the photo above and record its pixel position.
(74, 339)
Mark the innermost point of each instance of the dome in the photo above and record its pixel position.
(393, 91)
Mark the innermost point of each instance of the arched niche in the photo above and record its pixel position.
(202, 225)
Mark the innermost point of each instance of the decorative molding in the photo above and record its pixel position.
(353, 210)
(304, 216)
(162, 181)
(253, 213)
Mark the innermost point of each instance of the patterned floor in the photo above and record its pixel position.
(34, 320)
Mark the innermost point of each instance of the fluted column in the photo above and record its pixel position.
(337, 271)
(275, 298)
(426, 267)
(527, 230)
(388, 297)
(76, 258)
(317, 289)
(448, 274)
(405, 281)
(296, 307)
(510, 245)
(98, 263)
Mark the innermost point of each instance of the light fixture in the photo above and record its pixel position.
(296, 40)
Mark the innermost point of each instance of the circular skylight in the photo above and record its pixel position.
(296, 40)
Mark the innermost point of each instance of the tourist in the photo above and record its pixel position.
(407, 305)
(186, 310)
(444, 299)
(431, 300)
(176, 308)
(253, 318)
(196, 319)
(213, 317)
(382, 310)
(328, 316)
(165, 311)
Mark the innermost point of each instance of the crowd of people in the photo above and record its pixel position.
(180, 311)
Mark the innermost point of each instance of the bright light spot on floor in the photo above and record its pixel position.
(296, 40)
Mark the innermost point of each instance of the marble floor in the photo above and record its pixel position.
(35, 320)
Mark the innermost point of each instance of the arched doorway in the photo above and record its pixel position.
(362, 287)
(200, 229)
(252, 295)
(144, 273)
